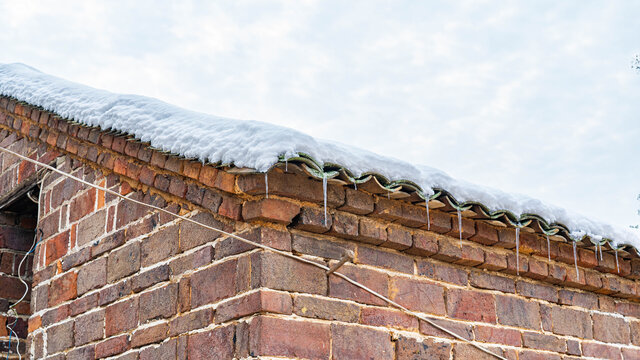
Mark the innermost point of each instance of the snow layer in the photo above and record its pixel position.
(258, 145)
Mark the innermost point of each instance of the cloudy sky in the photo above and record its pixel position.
(530, 97)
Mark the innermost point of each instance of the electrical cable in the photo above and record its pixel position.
(264, 247)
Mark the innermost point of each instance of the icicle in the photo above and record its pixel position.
(617, 264)
(388, 194)
(355, 185)
(266, 184)
(600, 247)
(426, 204)
(575, 261)
(548, 248)
(517, 250)
(460, 226)
(286, 164)
(324, 189)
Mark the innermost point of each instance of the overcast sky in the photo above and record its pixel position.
(530, 97)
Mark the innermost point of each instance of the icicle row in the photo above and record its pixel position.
(518, 250)
(575, 261)
(324, 190)
(266, 184)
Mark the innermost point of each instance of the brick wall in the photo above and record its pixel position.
(115, 280)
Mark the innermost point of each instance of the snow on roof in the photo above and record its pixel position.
(259, 145)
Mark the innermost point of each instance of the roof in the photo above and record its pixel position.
(258, 146)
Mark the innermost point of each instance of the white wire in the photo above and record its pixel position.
(264, 247)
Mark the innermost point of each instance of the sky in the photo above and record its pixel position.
(535, 97)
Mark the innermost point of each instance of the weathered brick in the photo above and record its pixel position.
(213, 344)
(385, 259)
(471, 305)
(327, 309)
(56, 247)
(213, 284)
(484, 234)
(149, 335)
(544, 342)
(159, 246)
(275, 210)
(466, 351)
(375, 280)
(92, 275)
(571, 322)
(123, 262)
(192, 235)
(515, 311)
(267, 236)
(313, 220)
(357, 202)
(418, 295)
(610, 329)
(60, 337)
(276, 272)
(150, 277)
(63, 288)
(385, 317)
(292, 186)
(82, 205)
(498, 335)
(121, 316)
(158, 303)
(412, 349)
(112, 346)
(82, 353)
(320, 247)
(485, 280)
(371, 231)
(582, 299)
(537, 291)
(89, 327)
(190, 321)
(600, 351)
(344, 225)
(355, 342)
(443, 272)
(423, 244)
(462, 329)
(289, 338)
(397, 238)
(259, 301)
(449, 249)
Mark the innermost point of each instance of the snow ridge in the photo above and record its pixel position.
(258, 145)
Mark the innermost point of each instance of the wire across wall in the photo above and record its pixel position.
(330, 271)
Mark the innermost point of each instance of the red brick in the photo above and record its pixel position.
(518, 312)
(443, 272)
(63, 288)
(385, 259)
(544, 342)
(260, 301)
(537, 291)
(123, 262)
(418, 295)
(213, 284)
(494, 261)
(413, 216)
(121, 316)
(174, 164)
(289, 338)
(610, 329)
(449, 249)
(571, 322)
(159, 303)
(438, 222)
(159, 246)
(397, 238)
(82, 205)
(375, 280)
(230, 207)
(57, 247)
(112, 346)
(498, 335)
(536, 355)
(150, 277)
(263, 235)
(177, 186)
(466, 351)
(387, 209)
(582, 299)
(207, 175)
(468, 228)
(147, 176)
(327, 309)
(506, 238)
(214, 344)
(537, 269)
(423, 244)
(92, 275)
(292, 186)
(410, 348)
(357, 202)
(557, 273)
(344, 225)
(471, 256)
(355, 342)
(485, 280)
(371, 231)
(279, 273)
(60, 337)
(275, 210)
(89, 327)
(385, 317)
(462, 329)
(192, 169)
(600, 351)
(149, 335)
(471, 305)
(191, 321)
(225, 182)
(323, 248)
(313, 220)
(586, 258)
